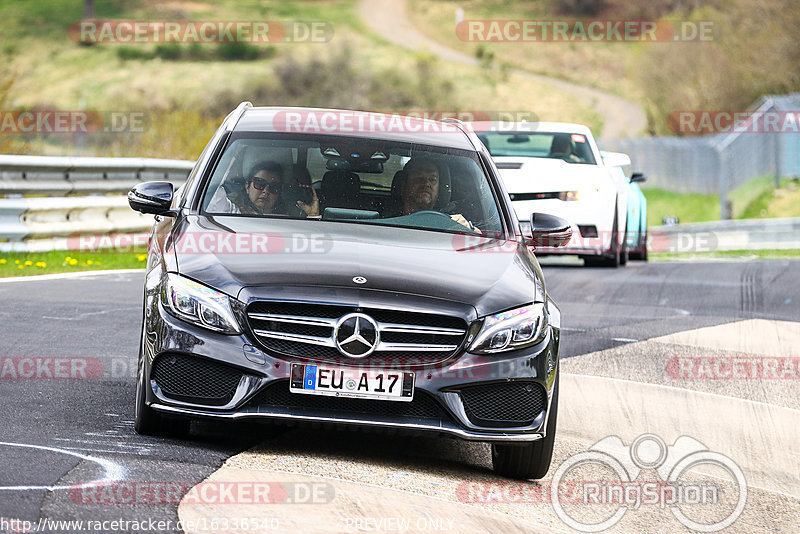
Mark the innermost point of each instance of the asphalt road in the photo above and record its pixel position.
(62, 431)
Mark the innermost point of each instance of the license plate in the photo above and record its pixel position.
(353, 383)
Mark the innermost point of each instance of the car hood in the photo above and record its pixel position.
(543, 175)
(236, 254)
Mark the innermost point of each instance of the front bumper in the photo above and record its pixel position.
(440, 383)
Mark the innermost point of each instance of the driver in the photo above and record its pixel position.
(563, 147)
(420, 189)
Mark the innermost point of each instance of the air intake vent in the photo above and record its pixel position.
(199, 381)
(504, 404)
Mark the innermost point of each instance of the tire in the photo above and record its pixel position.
(146, 420)
(613, 257)
(641, 249)
(531, 460)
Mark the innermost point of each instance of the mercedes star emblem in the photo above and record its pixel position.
(359, 280)
(356, 335)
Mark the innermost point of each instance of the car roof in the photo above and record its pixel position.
(350, 123)
(556, 127)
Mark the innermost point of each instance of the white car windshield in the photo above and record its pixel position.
(569, 147)
(350, 179)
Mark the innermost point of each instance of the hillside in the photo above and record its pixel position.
(183, 90)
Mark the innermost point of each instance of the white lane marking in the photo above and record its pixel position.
(112, 471)
(104, 443)
(62, 276)
(624, 339)
(112, 451)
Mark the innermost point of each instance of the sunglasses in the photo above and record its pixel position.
(272, 187)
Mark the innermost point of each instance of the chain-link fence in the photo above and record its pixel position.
(717, 163)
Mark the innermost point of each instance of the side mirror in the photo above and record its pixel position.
(152, 197)
(638, 177)
(615, 159)
(549, 231)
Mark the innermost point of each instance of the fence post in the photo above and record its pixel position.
(778, 171)
(722, 184)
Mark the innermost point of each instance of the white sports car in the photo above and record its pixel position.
(556, 168)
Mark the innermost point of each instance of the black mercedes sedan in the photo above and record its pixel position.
(350, 268)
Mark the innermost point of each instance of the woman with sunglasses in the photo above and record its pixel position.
(262, 194)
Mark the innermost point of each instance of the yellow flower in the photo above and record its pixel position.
(67, 259)
(141, 257)
(89, 262)
(73, 261)
(41, 264)
(21, 267)
(28, 263)
(16, 261)
(2, 260)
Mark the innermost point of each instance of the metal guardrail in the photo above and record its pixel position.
(56, 223)
(62, 176)
(741, 234)
(42, 211)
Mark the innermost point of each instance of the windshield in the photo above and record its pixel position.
(352, 180)
(569, 147)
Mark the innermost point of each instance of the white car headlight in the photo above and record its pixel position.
(198, 304)
(511, 330)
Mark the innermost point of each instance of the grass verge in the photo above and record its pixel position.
(65, 261)
(755, 199)
(688, 207)
(766, 254)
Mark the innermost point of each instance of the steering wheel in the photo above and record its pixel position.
(434, 212)
(559, 155)
(452, 224)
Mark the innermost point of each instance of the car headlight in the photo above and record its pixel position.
(198, 304)
(569, 195)
(511, 330)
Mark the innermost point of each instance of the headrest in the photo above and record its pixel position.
(340, 184)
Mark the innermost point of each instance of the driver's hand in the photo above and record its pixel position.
(313, 209)
(462, 221)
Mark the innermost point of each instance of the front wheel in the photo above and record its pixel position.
(531, 460)
(641, 253)
(612, 258)
(146, 420)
